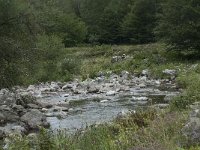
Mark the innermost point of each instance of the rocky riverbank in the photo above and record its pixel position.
(23, 110)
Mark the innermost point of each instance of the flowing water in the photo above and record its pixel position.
(96, 108)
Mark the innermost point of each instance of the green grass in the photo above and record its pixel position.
(84, 62)
(190, 81)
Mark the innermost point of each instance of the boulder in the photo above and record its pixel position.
(192, 129)
(25, 99)
(8, 116)
(34, 119)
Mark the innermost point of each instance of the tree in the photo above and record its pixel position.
(54, 20)
(17, 33)
(179, 25)
(111, 21)
(139, 24)
(91, 13)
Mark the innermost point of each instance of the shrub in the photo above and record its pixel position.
(50, 51)
(69, 67)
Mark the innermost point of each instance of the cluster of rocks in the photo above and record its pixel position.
(19, 114)
(25, 109)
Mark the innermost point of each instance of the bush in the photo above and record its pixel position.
(69, 67)
(50, 52)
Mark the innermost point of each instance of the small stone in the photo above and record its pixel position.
(71, 109)
(145, 72)
(45, 105)
(66, 95)
(169, 72)
(157, 82)
(34, 119)
(111, 93)
(139, 98)
(68, 86)
(33, 106)
(142, 85)
(44, 110)
(103, 101)
(144, 78)
(93, 89)
(49, 114)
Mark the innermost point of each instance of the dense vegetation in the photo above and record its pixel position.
(33, 34)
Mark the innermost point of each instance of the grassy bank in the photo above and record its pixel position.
(144, 130)
(83, 62)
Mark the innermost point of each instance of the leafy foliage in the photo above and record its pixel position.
(139, 24)
(180, 24)
(16, 40)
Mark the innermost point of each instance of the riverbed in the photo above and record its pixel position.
(77, 104)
